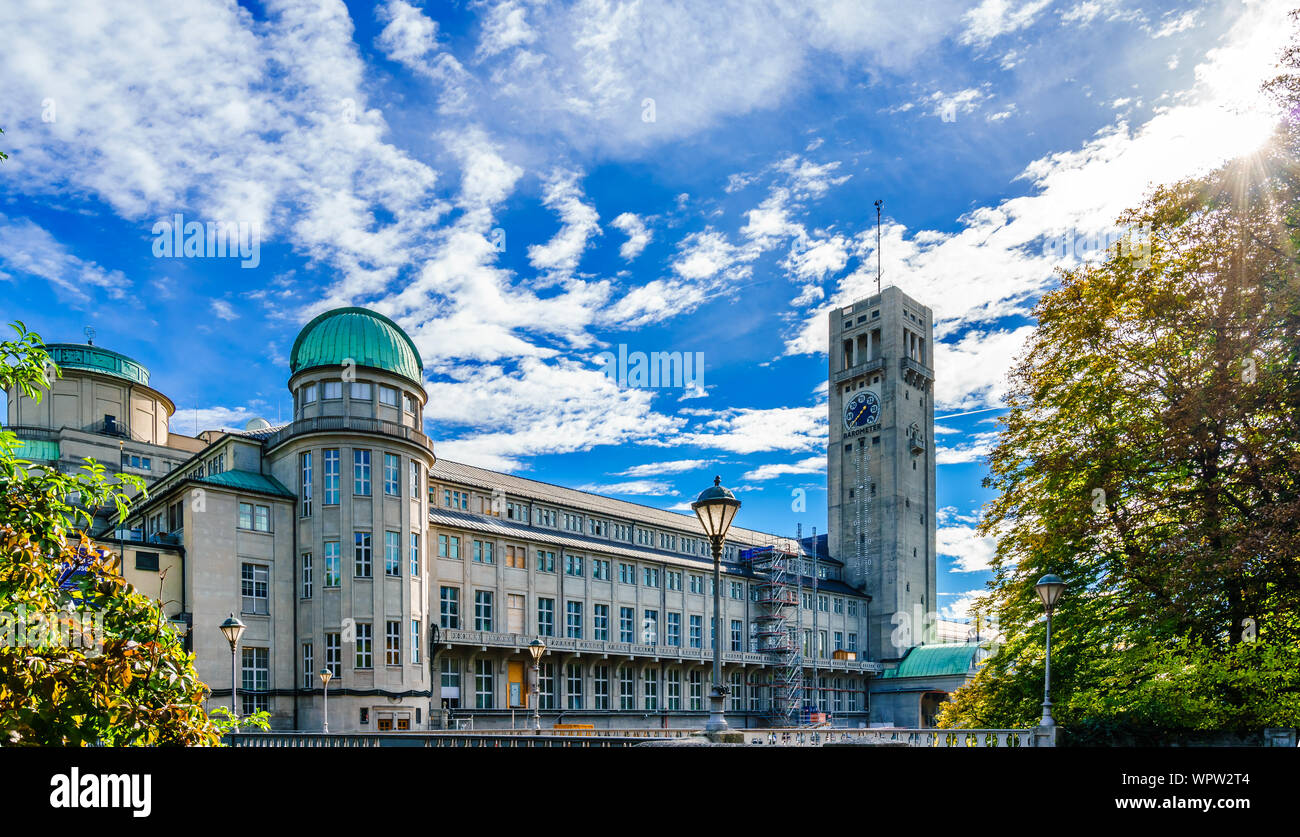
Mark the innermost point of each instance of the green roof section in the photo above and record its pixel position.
(36, 450)
(936, 660)
(360, 336)
(96, 359)
(248, 481)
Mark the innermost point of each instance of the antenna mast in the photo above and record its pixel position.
(878, 203)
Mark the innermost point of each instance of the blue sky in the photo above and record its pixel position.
(525, 185)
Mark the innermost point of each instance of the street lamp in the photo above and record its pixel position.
(233, 629)
(1049, 589)
(716, 507)
(325, 675)
(537, 648)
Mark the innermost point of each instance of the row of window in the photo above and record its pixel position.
(361, 476)
(362, 560)
(616, 688)
(357, 391)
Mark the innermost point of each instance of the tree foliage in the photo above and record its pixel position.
(1151, 458)
(85, 658)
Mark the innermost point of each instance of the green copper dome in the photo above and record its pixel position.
(359, 335)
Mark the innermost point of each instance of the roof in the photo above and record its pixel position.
(97, 359)
(36, 450)
(247, 481)
(359, 336)
(937, 660)
(457, 472)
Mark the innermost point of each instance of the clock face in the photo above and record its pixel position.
(862, 410)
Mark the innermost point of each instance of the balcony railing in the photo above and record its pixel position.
(354, 424)
(860, 368)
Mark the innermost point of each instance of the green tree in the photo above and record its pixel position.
(85, 658)
(1151, 459)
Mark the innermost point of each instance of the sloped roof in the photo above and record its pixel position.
(937, 660)
(247, 481)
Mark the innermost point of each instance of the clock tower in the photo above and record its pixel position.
(880, 465)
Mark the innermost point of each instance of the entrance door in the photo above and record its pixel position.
(514, 684)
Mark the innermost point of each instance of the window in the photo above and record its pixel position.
(737, 590)
(600, 682)
(309, 394)
(839, 605)
(627, 573)
(361, 555)
(306, 484)
(600, 622)
(483, 552)
(393, 643)
(449, 546)
(308, 667)
(626, 628)
(255, 680)
(823, 603)
(415, 640)
(673, 580)
(334, 654)
(650, 628)
(573, 685)
(572, 564)
(651, 693)
(650, 576)
(331, 390)
(674, 629)
(484, 684)
(146, 561)
(546, 617)
(415, 555)
(545, 561)
(413, 472)
(361, 472)
(696, 683)
(449, 680)
(853, 642)
(517, 556)
(673, 690)
(359, 391)
(392, 553)
(387, 395)
(737, 691)
(839, 640)
(853, 607)
(392, 467)
(626, 688)
(697, 584)
(482, 610)
(546, 686)
(255, 517)
(306, 575)
(449, 608)
(737, 635)
(697, 632)
(254, 583)
(331, 456)
(455, 499)
(599, 569)
(573, 620)
(333, 566)
(365, 648)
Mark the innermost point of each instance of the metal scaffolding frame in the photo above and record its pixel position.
(777, 634)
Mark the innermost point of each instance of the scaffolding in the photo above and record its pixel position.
(776, 634)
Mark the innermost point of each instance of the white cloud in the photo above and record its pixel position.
(224, 310)
(970, 552)
(811, 465)
(637, 235)
(992, 18)
(30, 249)
(674, 466)
(747, 430)
(644, 488)
(974, 449)
(579, 223)
(1175, 24)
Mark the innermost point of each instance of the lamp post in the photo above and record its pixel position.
(1049, 589)
(325, 675)
(716, 507)
(233, 629)
(537, 648)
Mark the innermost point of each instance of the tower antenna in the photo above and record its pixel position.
(878, 203)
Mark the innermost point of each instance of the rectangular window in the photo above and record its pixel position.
(573, 620)
(415, 640)
(546, 686)
(823, 604)
(449, 608)
(737, 691)
(737, 590)
(626, 688)
(365, 649)
(697, 631)
(545, 561)
(331, 390)
(306, 484)
(627, 573)
(483, 552)
(361, 554)
(392, 553)
(387, 395)
(360, 391)
(650, 628)
(408, 403)
(650, 692)
(853, 607)
(392, 468)
(361, 472)
(482, 610)
(393, 643)
(674, 580)
(245, 515)
(673, 690)
(309, 394)
(254, 585)
(737, 635)
(484, 684)
(674, 629)
(546, 617)
(334, 654)
(599, 569)
(573, 685)
(331, 476)
(517, 557)
(413, 472)
(697, 584)
(600, 684)
(650, 576)
(572, 564)
(600, 622)
(255, 680)
(839, 605)
(696, 683)
(415, 555)
(309, 677)
(626, 625)
(449, 680)
(853, 642)
(839, 641)
(333, 566)
(306, 575)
